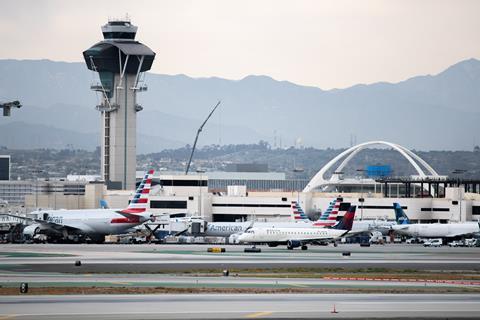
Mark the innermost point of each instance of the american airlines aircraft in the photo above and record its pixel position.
(226, 229)
(94, 223)
(432, 230)
(299, 220)
(298, 237)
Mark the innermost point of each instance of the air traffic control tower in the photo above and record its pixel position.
(120, 62)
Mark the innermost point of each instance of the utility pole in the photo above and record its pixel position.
(361, 200)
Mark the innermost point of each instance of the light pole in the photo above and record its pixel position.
(36, 174)
(297, 171)
(361, 200)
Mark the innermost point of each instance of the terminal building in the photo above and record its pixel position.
(265, 196)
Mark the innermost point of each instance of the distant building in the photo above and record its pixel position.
(247, 167)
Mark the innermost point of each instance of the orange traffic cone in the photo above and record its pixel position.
(334, 309)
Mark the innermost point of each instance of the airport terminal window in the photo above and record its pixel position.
(251, 205)
(155, 204)
(435, 209)
(378, 207)
(229, 217)
(476, 210)
(184, 183)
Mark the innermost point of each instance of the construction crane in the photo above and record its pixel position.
(7, 107)
(198, 133)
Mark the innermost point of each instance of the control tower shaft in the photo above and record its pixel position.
(119, 61)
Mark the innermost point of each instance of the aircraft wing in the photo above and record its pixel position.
(49, 224)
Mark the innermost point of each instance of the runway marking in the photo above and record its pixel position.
(121, 282)
(258, 314)
(298, 285)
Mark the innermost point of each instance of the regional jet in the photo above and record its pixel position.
(299, 237)
(432, 230)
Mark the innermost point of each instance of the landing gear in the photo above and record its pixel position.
(304, 247)
(252, 249)
(289, 247)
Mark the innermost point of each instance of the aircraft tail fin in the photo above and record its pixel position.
(104, 204)
(400, 215)
(329, 216)
(139, 203)
(347, 222)
(298, 213)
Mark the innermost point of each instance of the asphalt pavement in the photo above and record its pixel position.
(162, 258)
(228, 306)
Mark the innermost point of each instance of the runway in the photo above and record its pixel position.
(224, 306)
(167, 258)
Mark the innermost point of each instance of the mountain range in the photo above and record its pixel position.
(429, 112)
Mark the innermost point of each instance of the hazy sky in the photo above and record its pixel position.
(322, 43)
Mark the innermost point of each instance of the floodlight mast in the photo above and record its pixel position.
(198, 133)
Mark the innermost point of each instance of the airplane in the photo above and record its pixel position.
(299, 220)
(226, 229)
(94, 223)
(298, 237)
(431, 230)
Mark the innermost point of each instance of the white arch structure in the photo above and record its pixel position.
(319, 179)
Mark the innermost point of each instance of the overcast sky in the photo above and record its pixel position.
(329, 44)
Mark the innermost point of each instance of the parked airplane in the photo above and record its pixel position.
(431, 230)
(299, 220)
(226, 229)
(94, 223)
(298, 237)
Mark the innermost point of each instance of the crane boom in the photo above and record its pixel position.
(198, 133)
(7, 106)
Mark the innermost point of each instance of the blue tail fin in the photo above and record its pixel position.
(400, 215)
(104, 204)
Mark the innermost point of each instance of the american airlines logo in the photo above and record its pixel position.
(225, 228)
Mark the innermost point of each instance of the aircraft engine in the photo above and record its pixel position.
(293, 243)
(32, 230)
